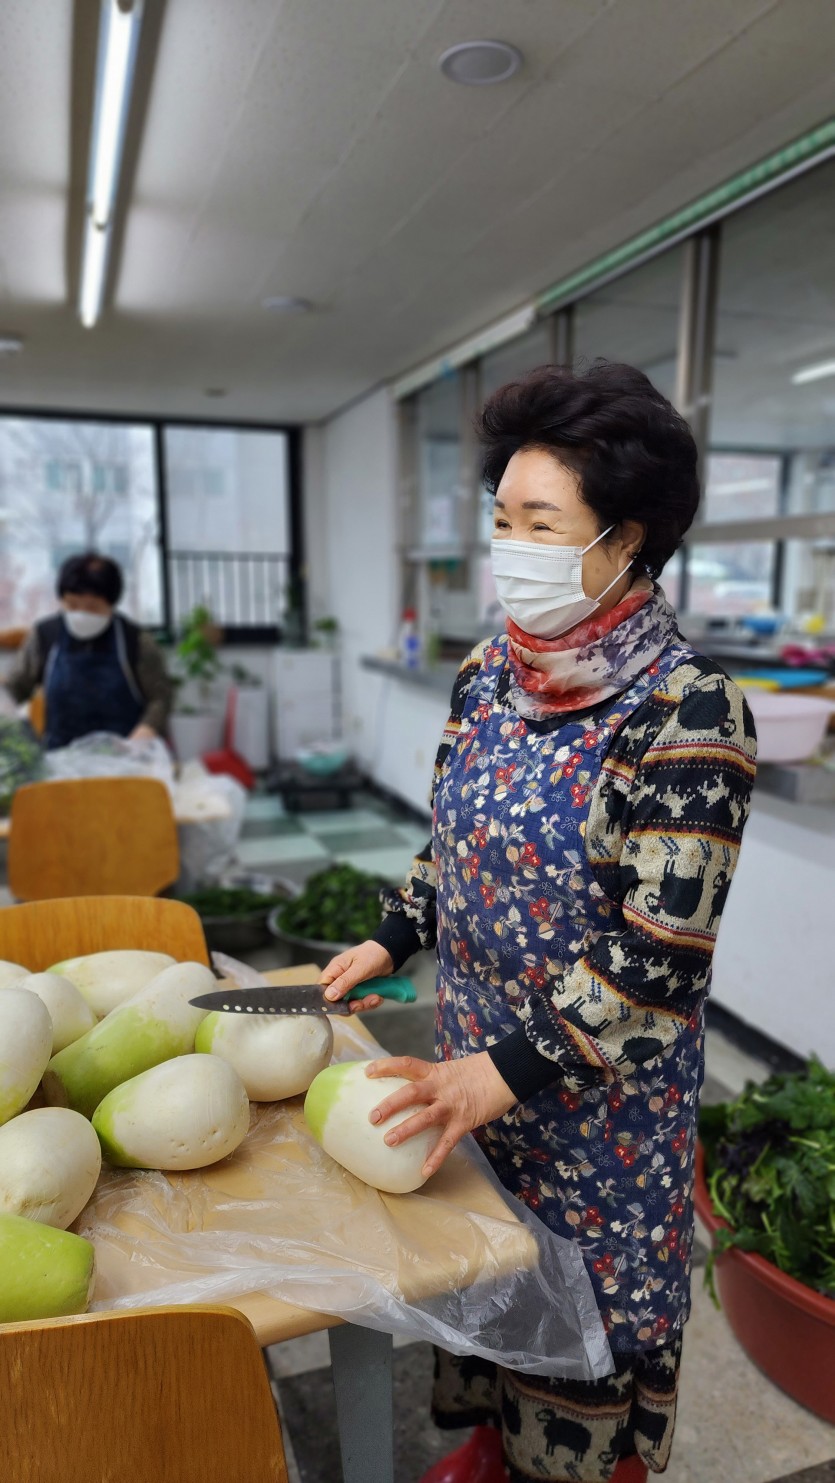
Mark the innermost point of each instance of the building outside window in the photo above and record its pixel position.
(70, 486)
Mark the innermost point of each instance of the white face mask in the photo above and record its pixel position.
(86, 625)
(541, 587)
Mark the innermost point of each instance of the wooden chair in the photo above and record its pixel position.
(163, 1395)
(92, 837)
(41, 933)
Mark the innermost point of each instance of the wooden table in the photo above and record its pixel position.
(361, 1357)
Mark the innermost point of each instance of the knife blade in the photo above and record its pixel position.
(301, 998)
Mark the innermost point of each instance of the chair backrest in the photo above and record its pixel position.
(41, 933)
(92, 837)
(164, 1395)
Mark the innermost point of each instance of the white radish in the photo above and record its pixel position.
(107, 979)
(275, 1056)
(336, 1110)
(50, 1160)
(25, 1047)
(71, 1015)
(183, 1114)
(156, 1024)
(44, 1273)
(11, 973)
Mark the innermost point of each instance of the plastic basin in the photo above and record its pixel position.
(790, 728)
(786, 1328)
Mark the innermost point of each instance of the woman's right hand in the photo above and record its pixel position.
(354, 966)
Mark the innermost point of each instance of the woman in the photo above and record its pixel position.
(99, 671)
(590, 794)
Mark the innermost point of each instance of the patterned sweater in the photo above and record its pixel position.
(662, 839)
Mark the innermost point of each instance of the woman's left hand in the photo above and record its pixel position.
(455, 1096)
(142, 733)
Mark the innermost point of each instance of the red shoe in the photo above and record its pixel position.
(479, 1461)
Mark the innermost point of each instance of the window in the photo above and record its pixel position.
(55, 500)
(773, 405)
(636, 320)
(441, 516)
(228, 524)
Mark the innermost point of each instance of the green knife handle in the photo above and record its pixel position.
(401, 989)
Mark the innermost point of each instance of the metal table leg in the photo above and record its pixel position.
(361, 1365)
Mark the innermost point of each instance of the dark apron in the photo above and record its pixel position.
(610, 1167)
(89, 686)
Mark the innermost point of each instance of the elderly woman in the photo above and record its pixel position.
(590, 793)
(99, 671)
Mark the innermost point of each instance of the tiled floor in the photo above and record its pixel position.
(733, 1425)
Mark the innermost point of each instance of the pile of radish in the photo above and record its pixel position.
(131, 1070)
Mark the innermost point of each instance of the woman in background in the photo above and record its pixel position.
(99, 670)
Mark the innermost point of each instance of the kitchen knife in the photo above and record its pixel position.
(302, 998)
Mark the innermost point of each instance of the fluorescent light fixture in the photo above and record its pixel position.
(10, 344)
(466, 350)
(119, 26)
(814, 373)
(95, 253)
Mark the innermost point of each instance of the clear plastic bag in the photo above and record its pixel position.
(210, 813)
(280, 1217)
(104, 755)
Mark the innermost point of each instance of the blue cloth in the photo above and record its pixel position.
(611, 1166)
(88, 686)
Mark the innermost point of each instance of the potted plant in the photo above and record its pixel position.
(765, 1189)
(197, 721)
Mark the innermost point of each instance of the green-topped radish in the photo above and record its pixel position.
(336, 1109)
(275, 1056)
(70, 1014)
(184, 1114)
(44, 1273)
(25, 1048)
(155, 1025)
(50, 1160)
(107, 980)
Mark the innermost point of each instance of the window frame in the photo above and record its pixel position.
(259, 635)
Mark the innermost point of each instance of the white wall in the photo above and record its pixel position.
(774, 965)
(354, 573)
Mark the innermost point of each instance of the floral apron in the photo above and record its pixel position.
(610, 1167)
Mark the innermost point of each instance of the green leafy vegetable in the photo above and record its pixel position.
(230, 901)
(771, 1173)
(339, 904)
(21, 759)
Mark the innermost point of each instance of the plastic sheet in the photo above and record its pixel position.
(460, 1262)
